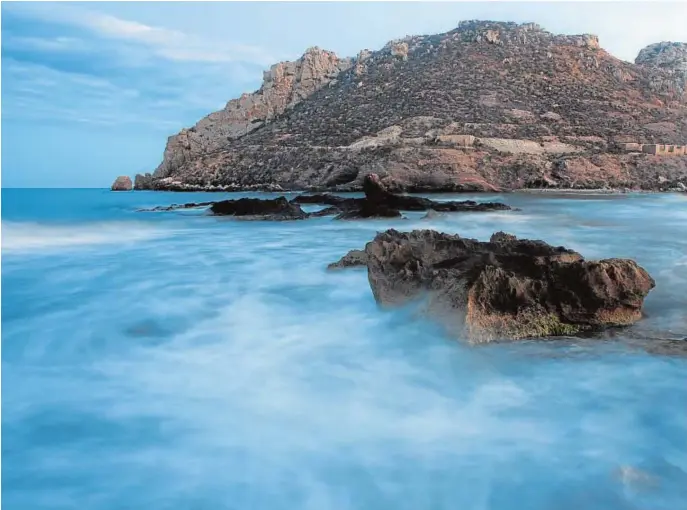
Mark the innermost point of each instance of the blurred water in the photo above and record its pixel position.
(179, 361)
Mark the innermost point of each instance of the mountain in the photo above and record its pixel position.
(486, 106)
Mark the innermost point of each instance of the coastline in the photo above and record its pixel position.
(537, 191)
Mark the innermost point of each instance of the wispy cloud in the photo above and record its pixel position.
(163, 42)
(48, 44)
(67, 64)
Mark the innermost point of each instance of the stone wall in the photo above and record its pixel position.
(665, 150)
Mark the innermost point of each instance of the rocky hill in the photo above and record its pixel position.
(485, 106)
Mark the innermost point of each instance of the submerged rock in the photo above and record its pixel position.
(257, 209)
(369, 210)
(122, 183)
(431, 215)
(505, 288)
(324, 199)
(352, 259)
(174, 207)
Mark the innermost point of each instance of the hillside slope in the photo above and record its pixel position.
(486, 106)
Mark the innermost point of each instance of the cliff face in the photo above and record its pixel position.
(485, 106)
(671, 59)
(284, 85)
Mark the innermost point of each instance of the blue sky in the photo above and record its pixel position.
(92, 90)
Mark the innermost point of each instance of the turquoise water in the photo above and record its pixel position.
(179, 361)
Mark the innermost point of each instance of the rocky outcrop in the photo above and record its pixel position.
(669, 59)
(380, 202)
(143, 181)
(353, 258)
(256, 209)
(122, 183)
(505, 288)
(284, 85)
(174, 207)
(488, 106)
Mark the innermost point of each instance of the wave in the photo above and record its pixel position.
(19, 237)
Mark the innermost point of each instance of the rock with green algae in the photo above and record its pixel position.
(506, 288)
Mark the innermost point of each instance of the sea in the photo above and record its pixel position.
(175, 360)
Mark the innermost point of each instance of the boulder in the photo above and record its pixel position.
(506, 288)
(257, 209)
(122, 183)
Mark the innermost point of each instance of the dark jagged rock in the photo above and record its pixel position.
(369, 210)
(377, 193)
(122, 183)
(174, 207)
(327, 211)
(506, 288)
(143, 181)
(352, 259)
(502, 237)
(257, 209)
(323, 199)
(379, 202)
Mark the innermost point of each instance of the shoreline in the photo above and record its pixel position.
(534, 191)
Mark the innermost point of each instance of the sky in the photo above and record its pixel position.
(92, 90)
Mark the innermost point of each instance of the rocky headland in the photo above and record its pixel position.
(506, 288)
(487, 106)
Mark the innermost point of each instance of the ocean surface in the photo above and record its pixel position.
(174, 360)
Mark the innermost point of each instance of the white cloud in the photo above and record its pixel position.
(162, 42)
(47, 44)
(168, 101)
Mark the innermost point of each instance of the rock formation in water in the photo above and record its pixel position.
(122, 183)
(505, 288)
(353, 258)
(379, 202)
(486, 106)
(257, 209)
(143, 181)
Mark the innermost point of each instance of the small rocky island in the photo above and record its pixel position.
(506, 288)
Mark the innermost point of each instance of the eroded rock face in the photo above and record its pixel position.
(506, 288)
(257, 209)
(122, 183)
(143, 181)
(284, 85)
(669, 62)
